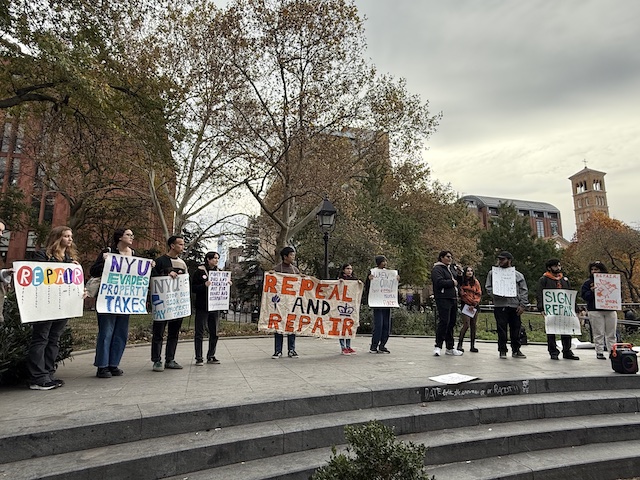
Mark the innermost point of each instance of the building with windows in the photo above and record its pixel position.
(589, 194)
(544, 218)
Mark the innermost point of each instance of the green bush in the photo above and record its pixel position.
(377, 455)
(15, 339)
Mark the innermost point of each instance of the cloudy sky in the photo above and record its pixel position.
(528, 89)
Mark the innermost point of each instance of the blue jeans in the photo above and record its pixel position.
(345, 343)
(381, 327)
(113, 333)
(291, 341)
(43, 350)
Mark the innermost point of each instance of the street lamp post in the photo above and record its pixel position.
(326, 217)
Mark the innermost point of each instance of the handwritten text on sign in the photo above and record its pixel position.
(170, 297)
(607, 291)
(495, 389)
(48, 290)
(503, 281)
(559, 312)
(219, 290)
(310, 307)
(383, 288)
(124, 285)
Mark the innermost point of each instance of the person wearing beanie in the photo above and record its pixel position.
(381, 316)
(554, 278)
(288, 256)
(603, 322)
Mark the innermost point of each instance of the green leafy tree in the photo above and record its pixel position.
(512, 232)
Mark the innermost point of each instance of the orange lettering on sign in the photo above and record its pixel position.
(270, 284)
(304, 321)
(319, 289)
(318, 326)
(306, 285)
(274, 320)
(346, 327)
(334, 326)
(345, 297)
(289, 325)
(287, 285)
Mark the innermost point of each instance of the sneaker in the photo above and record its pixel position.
(453, 351)
(518, 355)
(345, 351)
(503, 355)
(199, 363)
(373, 350)
(600, 356)
(277, 355)
(437, 351)
(43, 386)
(213, 360)
(292, 354)
(116, 372)
(352, 351)
(58, 381)
(173, 365)
(383, 350)
(103, 373)
(158, 367)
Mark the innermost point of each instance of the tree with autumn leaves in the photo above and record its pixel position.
(612, 242)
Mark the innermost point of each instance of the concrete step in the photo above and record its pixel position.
(208, 448)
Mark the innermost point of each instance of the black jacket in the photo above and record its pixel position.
(546, 283)
(198, 287)
(443, 281)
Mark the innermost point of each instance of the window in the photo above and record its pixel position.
(586, 202)
(538, 214)
(553, 215)
(540, 228)
(6, 138)
(554, 228)
(493, 211)
(524, 213)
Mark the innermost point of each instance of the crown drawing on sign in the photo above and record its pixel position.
(345, 310)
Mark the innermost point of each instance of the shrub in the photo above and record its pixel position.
(378, 456)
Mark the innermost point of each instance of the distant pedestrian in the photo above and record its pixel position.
(508, 309)
(172, 265)
(346, 273)
(45, 339)
(603, 322)
(470, 295)
(445, 285)
(113, 328)
(288, 256)
(211, 319)
(553, 278)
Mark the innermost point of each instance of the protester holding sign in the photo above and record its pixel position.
(200, 284)
(510, 295)
(113, 328)
(603, 322)
(553, 278)
(346, 273)
(288, 256)
(470, 295)
(169, 264)
(385, 283)
(45, 338)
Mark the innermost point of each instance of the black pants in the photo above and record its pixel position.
(43, 352)
(507, 316)
(212, 322)
(172, 339)
(553, 348)
(447, 310)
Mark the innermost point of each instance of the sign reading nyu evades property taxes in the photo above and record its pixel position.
(219, 290)
(170, 297)
(383, 288)
(48, 290)
(124, 285)
(310, 307)
(559, 309)
(607, 291)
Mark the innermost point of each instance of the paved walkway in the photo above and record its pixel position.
(248, 374)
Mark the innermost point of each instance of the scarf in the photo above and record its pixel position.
(557, 277)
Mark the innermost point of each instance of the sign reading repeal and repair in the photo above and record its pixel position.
(124, 285)
(48, 290)
(310, 307)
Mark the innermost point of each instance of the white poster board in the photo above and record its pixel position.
(170, 297)
(607, 291)
(124, 285)
(48, 290)
(219, 290)
(559, 309)
(383, 288)
(503, 281)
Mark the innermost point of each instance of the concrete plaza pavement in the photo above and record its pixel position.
(248, 374)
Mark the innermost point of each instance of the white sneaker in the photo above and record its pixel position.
(454, 352)
(436, 352)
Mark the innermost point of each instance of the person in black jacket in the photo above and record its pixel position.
(553, 278)
(603, 322)
(200, 286)
(445, 285)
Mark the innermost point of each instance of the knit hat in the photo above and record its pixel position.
(505, 254)
(379, 259)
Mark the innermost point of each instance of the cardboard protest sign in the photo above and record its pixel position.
(124, 285)
(219, 290)
(607, 291)
(560, 316)
(48, 290)
(383, 289)
(310, 307)
(503, 281)
(170, 297)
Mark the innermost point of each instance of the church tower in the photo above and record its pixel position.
(589, 194)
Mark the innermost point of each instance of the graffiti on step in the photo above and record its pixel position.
(493, 389)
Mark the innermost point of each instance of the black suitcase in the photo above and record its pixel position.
(624, 358)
